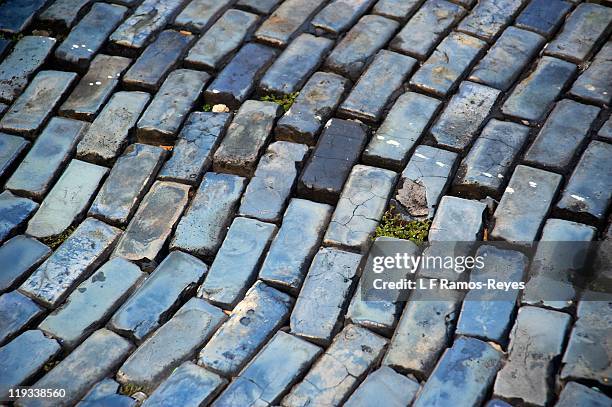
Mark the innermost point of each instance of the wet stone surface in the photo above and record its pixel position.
(11, 149)
(16, 312)
(287, 20)
(19, 256)
(543, 16)
(198, 15)
(16, 15)
(489, 17)
(386, 387)
(338, 16)
(14, 212)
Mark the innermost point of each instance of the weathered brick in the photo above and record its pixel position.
(295, 244)
(397, 9)
(95, 88)
(29, 113)
(64, 13)
(150, 17)
(533, 97)
(360, 207)
(564, 132)
(170, 106)
(88, 36)
(524, 204)
(18, 258)
(337, 150)
(246, 137)
(467, 369)
(94, 359)
(23, 357)
(318, 312)
(588, 192)
(257, 317)
(47, 157)
(488, 163)
(156, 299)
(285, 355)
(16, 15)
(384, 387)
(71, 263)
(287, 20)
(543, 16)
(196, 143)
(14, 212)
(16, 312)
(92, 302)
(535, 341)
(68, 200)
(258, 6)
(426, 28)
(105, 392)
(595, 85)
(338, 372)
(578, 395)
(29, 54)
(199, 15)
(232, 273)
(12, 149)
(224, 37)
(130, 177)
(605, 132)
(340, 15)
(451, 59)
(295, 64)
(234, 83)
(203, 227)
(152, 224)
(173, 343)
(379, 85)
(588, 25)
(312, 108)
(361, 43)
(159, 58)
(188, 385)
(489, 17)
(507, 58)
(108, 134)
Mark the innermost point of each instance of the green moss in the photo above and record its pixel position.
(395, 226)
(130, 388)
(10, 37)
(50, 365)
(207, 107)
(284, 101)
(55, 241)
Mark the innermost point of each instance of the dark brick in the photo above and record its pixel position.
(64, 13)
(14, 212)
(339, 15)
(199, 15)
(578, 395)
(16, 312)
(16, 15)
(105, 392)
(595, 84)
(543, 16)
(489, 17)
(287, 20)
(258, 6)
(12, 149)
(397, 9)
(18, 258)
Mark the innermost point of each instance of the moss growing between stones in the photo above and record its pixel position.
(55, 241)
(50, 365)
(395, 226)
(283, 101)
(130, 388)
(207, 107)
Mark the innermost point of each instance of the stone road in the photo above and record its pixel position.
(189, 189)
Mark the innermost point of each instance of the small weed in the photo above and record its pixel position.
(50, 365)
(130, 388)
(55, 241)
(10, 37)
(394, 226)
(283, 101)
(207, 107)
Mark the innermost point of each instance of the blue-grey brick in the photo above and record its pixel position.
(384, 387)
(29, 54)
(199, 15)
(233, 272)
(578, 395)
(455, 210)
(95, 87)
(29, 113)
(426, 28)
(489, 17)
(64, 13)
(536, 341)
(173, 343)
(271, 373)
(68, 200)
(543, 16)
(92, 302)
(532, 98)
(484, 170)
(227, 34)
(507, 58)
(295, 64)
(379, 84)
(588, 192)
(195, 146)
(587, 26)
(354, 52)
(105, 392)
(257, 317)
(291, 17)
(258, 6)
(155, 300)
(47, 157)
(203, 227)
(312, 108)
(295, 244)
(161, 56)
(463, 376)
(397, 9)
(16, 312)
(318, 312)
(451, 59)
(81, 253)
(234, 83)
(605, 132)
(563, 133)
(16, 15)
(339, 15)
(595, 84)
(14, 212)
(171, 105)
(12, 149)
(88, 36)
(18, 258)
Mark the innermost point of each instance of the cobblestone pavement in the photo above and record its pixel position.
(173, 232)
